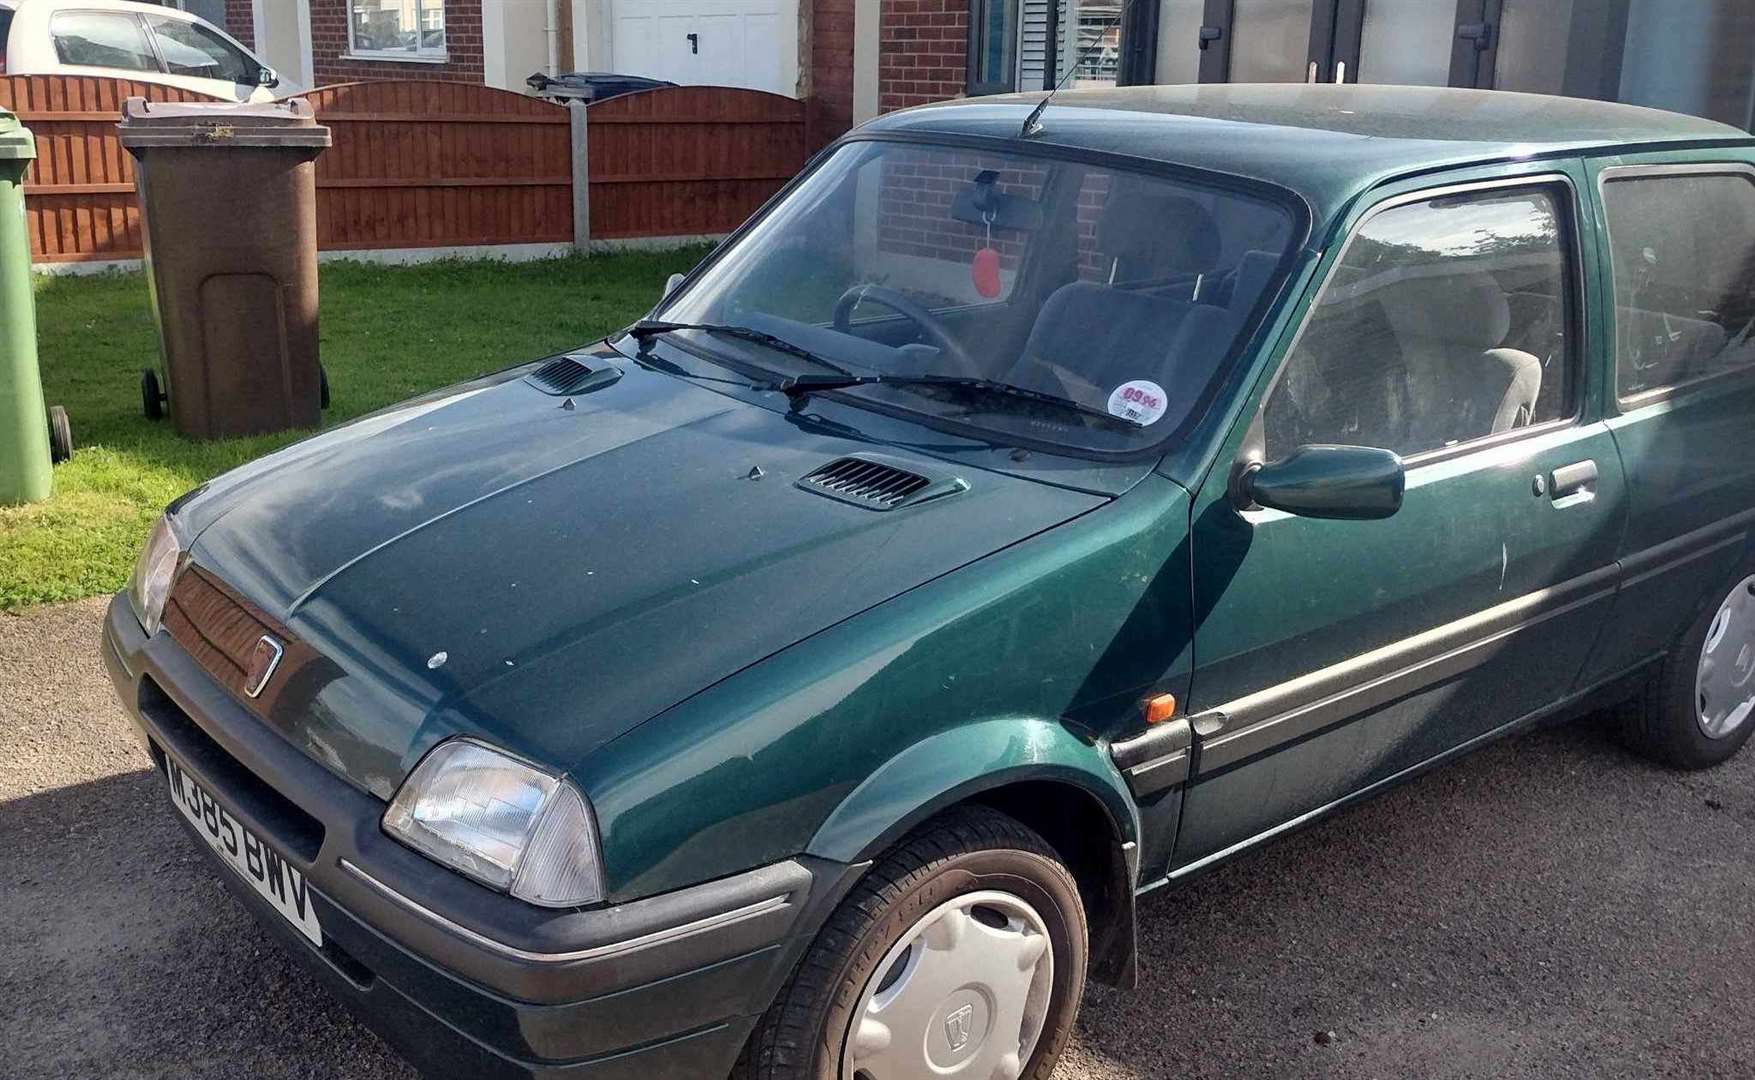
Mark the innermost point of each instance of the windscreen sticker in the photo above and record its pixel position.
(1140, 400)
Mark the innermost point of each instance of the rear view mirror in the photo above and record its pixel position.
(1349, 483)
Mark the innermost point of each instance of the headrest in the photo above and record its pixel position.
(1469, 310)
(1254, 271)
(1145, 225)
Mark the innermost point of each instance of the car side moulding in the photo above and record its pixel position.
(1258, 722)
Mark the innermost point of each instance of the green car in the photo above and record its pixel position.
(1028, 509)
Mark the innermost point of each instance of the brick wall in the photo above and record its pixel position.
(831, 67)
(240, 21)
(329, 47)
(923, 51)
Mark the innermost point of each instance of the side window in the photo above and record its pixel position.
(1682, 246)
(192, 49)
(1446, 321)
(101, 39)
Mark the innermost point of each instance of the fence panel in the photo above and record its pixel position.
(79, 193)
(689, 160)
(439, 164)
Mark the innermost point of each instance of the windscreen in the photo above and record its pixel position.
(1122, 293)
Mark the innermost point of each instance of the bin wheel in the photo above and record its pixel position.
(152, 399)
(322, 387)
(60, 435)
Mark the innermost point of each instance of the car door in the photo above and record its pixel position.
(1679, 244)
(1333, 655)
(200, 58)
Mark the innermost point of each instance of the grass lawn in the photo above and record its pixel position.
(388, 333)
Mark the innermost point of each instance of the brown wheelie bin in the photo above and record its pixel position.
(229, 197)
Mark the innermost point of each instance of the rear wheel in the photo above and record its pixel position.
(961, 953)
(1701, 709)
(322, 387)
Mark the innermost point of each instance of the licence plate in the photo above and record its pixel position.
(264, 868)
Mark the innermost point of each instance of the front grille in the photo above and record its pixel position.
(220, 629)
(865, 483)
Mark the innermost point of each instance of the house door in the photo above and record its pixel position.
(1409, 42)
(745, 43)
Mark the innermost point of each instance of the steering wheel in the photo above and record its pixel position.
(914, 312)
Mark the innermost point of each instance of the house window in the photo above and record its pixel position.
(1039, 44)
(397, 29)
(993, 46)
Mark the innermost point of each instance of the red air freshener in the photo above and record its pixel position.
(984, 271)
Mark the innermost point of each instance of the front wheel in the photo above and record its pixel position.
(962, 953)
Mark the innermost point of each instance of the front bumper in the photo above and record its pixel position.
(460, 979)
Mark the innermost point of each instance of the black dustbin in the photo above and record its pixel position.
(229, 197)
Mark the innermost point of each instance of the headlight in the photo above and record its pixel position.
(502, 821)
(153, 572)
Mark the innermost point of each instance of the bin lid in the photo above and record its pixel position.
(16, 141)
(220, 124)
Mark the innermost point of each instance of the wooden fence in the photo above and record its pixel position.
(423, 164)
(79, 204)
(689, 159)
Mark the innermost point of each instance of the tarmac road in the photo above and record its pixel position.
(1550, 907)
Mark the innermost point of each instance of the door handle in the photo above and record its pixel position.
(694, 43)
(1577, 478)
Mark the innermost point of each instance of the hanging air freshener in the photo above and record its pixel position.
(984, 268)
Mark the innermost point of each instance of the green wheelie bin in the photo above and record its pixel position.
(26, 430)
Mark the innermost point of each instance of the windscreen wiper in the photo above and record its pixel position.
(647, 328)
(794, 386)
(804, 384)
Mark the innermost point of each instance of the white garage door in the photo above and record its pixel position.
(752, 43)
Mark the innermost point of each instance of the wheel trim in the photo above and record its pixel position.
(1724, 683)
(956, 995)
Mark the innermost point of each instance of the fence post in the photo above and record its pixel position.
(581, 179)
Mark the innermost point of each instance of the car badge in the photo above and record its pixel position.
(957, 1027)
(264, 658)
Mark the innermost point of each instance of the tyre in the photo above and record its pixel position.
(962, 952)
(322, 387)
(1700, 709)
(60, 435)
(152, 398)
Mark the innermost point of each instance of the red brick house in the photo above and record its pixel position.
(856, 58)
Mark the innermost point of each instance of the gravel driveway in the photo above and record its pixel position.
(1550, 907)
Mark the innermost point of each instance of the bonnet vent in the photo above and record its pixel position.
(567, 376)
(876, 485)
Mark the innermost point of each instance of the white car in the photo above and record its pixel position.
(131, 41)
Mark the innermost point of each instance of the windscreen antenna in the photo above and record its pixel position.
(1033, 122)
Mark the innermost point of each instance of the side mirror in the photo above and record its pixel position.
(267, 77)
(670, 285)
(1349, 483)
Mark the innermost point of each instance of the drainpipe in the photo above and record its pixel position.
(554, 37)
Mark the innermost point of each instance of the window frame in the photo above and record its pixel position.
(1605, 176)
(1578, 326)
(146, 38)
(419, 55)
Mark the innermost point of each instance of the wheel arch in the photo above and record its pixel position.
(1039, 772)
